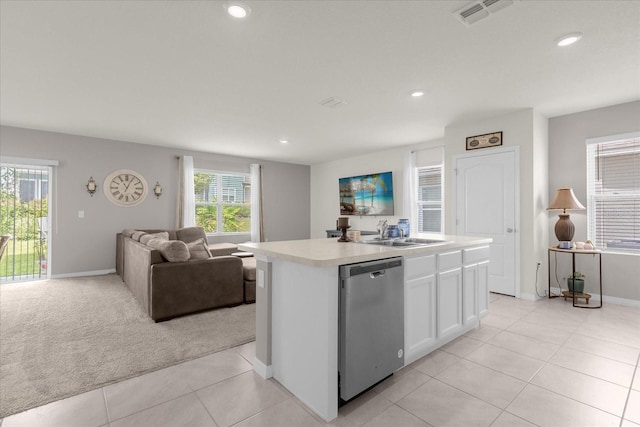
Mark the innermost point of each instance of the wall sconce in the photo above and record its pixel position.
(157, 190)
(91, 186)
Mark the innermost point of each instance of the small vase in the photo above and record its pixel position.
(403, 224)
(393, 232)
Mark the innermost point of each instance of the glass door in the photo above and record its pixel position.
(24, 216)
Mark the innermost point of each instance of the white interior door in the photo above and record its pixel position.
(486, 206)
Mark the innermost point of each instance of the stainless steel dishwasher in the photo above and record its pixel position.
(371, 345)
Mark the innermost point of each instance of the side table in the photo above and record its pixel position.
(575, 296)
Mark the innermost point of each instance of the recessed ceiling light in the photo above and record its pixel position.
(568, 39)
(284, 141)
(417, 93)
(237, 9)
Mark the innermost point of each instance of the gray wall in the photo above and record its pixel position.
(88, 245)
(567, 168)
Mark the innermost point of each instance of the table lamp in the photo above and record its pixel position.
(565, 199)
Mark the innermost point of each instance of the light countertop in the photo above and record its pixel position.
(329, 252)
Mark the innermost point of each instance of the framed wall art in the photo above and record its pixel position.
(483, 141)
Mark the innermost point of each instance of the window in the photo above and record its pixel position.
(223, 201)
(228, 195)
(613, 191)
(429, 198)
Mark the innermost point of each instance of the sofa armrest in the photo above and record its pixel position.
(185, 287)
(120, 254)
(137, 263)
(222, 249)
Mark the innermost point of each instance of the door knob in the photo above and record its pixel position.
(509, 230)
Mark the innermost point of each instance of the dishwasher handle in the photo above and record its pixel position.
(351, 270)
(377, 274)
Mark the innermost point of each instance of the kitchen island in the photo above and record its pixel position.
(297, 305)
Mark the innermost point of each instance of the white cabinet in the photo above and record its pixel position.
(470, 294)
(483, 288)
(420, 306)
(446, 294)
(449, 290)
(449, 306)
(476, 283)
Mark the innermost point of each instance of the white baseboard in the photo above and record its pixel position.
(529, 297)
(620, 301)
(261, 369)
(83, 273)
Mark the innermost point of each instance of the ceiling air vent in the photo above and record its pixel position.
(477, 10)
(332, 102)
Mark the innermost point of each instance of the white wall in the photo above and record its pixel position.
(539, 215)
(527, 130)
(567, 168)
(88, 245)
(325, 200)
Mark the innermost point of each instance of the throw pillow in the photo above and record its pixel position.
(144, 239)
(198, 250)
(127, 232)
(171, 250)
(137, 235)
(191, 234)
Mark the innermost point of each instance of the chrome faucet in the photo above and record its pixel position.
(382, 228)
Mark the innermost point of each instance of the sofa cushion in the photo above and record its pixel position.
(249, 268)
(171, 250)
(144, 239)
(191, 234)
(198, 250)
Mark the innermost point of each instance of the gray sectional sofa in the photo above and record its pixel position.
(174, 272)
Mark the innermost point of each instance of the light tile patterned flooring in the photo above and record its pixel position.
(539, 363)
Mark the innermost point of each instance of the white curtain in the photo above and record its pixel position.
(257, 227)
(409, 203)
(186, 206)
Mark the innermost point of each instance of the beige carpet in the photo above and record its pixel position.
(62, 337)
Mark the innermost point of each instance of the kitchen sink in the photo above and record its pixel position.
(424, 241)
(410, 242)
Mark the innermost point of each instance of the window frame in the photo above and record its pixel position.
(220, 203)
(420, 204)
(593, 196)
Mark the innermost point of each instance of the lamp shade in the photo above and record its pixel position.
(565, 199)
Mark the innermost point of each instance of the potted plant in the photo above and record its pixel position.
(576, 283)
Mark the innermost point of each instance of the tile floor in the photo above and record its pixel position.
(539, 363)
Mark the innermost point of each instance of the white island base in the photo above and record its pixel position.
(297, 302)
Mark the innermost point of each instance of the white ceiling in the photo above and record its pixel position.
(185, 74)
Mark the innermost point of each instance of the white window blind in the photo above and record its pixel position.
(613, 191)
(429, 198)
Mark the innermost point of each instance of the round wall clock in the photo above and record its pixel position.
(125, 187)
